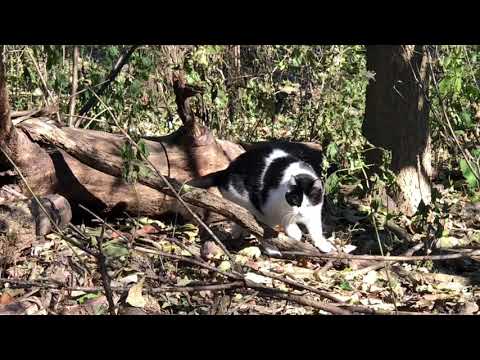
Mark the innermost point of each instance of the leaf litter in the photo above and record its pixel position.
(149, 274)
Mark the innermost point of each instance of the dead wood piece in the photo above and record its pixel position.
(369, 311)
(468, 254)
(182, 93)
(381, 265)
(302, 300)
(113, 166)
(58, 209)
(84, 184)
(298, 285)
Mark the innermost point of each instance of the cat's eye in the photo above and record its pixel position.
(293, 198)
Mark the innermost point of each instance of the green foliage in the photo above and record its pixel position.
(134, 164)
(458, 71)
(467, 172)
(292, 92)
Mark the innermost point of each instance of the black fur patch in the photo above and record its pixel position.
(294, 197)
(244, 173)
(274, 175)
(305, 186)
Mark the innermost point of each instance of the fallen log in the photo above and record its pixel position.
(48, 170)
(85, 166)
(110, 164)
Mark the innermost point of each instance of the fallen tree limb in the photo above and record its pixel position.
(369, 311)
(113, 165)
(472, 253)
(381, 265)
(302, 300)
(93, 289)
(297, 285)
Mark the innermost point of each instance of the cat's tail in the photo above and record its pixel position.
(207, 181)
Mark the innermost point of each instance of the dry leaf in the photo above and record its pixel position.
(224, 266)
(240, 259)
(370, 278)
(251, 252)
(210, 250)
(147, 229)
(133, 278)
(5, 299)
(258, 279)
(135, 297)
(450, 286)
(183, 281)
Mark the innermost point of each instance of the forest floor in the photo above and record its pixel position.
(155, 267)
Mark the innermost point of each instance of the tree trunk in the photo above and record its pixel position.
(396, 119)
(73, 95)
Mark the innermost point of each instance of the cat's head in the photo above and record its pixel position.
(304, 190)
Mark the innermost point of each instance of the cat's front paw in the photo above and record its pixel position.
(324, 246)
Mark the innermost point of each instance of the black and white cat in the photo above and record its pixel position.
(279, 183)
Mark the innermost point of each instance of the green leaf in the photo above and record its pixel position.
(458, 85)
(476, 153)
(332, 184)
(332, 150)
(345, 285)
(466, 118)
(87, 297)
(444, 86)
(115, 250)
(468, 174)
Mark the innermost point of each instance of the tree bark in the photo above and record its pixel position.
(396, 119)
(48, 170)
(85, 167)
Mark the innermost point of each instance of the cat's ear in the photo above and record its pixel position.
(294, 198)
(292, 182)
(317, 192)
(317, 185)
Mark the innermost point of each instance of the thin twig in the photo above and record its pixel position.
(381, 265)
(466, 254)
(102, 268)
(157, 290)
(367, 310)
(302, 300)
(203, 264)
(104, 223)
(297, 285)
(73, 97)
(387, 267)
(122, 60)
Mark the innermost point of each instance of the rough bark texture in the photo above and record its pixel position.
(85, 167)
(82, 179)
(189, 152)
(396, 119)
